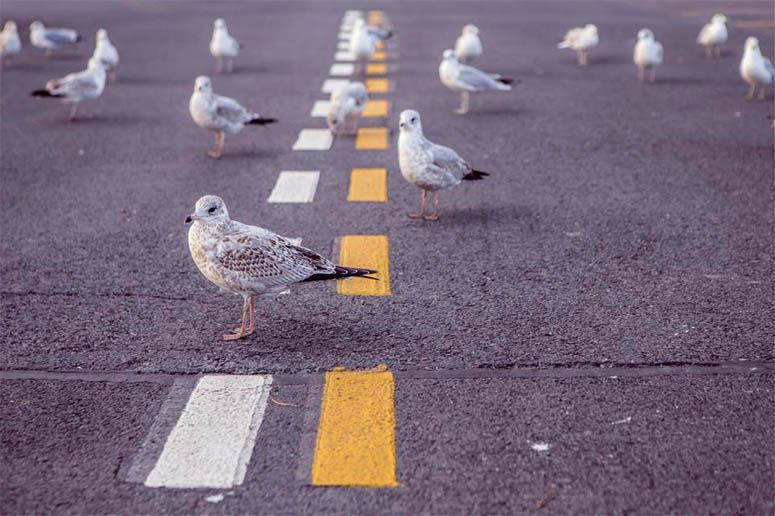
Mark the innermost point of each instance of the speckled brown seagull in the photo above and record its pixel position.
(252, 261)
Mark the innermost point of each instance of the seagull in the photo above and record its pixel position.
(428, 166)
(364, 39)
(755, 69)
(713, 35)
(106, 53)
(580, 40)
(467, 79)
(647, 54)
(347, 103)
(223, 46)
(10, 43)
(76, 87)
(252, 261)
(220, 114)
(468, 45)
(51, 38)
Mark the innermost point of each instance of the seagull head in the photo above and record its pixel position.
(591, 28)
(409, 121)
(471, 29)
(10, 26)
(202, 84)
(751, 44)
(449, 55)
(37, 25)
(645, 34)
(719, 18)
(219, 23)
(210, 210)
(102, 35)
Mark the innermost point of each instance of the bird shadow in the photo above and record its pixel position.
(607, 60)
(242, 153)
(65, 57)
(479, 214)
(679, 80)
(146, 81)
(493, 110)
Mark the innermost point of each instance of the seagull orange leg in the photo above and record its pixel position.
(217, 152)
(238, 333)
(252, 324)
(435, 215)
(73, 111)
(420, 214)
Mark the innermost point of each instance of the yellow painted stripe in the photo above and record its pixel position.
(356, 440)
(376, 69)
(375, 17)
(368, 185)
(376, 108)
(379, 55)
(377, 85)
(371, 138)
(379, 45)
(368, 252)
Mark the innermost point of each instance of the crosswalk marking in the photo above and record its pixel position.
(341, 69)
(320, 109)
(314, 139)
(377, 85)
(368, 185)
(372, 138)
(356, 438)
(376, 69)
(343, 45)
(369, 252)
(343, 56)
(376, 108)
(295, 186)
(331, 85)
(197, 453)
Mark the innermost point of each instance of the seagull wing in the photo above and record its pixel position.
(477, 79)
(231, 110)
(75, 85)
(704, 34)
(61, 36)
(447, 159)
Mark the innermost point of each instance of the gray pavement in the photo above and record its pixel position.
(623, 225)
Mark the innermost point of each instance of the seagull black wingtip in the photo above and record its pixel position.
(43, 94)
(475, 175)
(263, 121)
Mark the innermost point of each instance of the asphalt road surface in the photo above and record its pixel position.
(588, 330)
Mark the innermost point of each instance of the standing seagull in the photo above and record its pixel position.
(220, 114)
(580, 40)
(647, 54)
(106, 53)
(51, 38)
(347, 103)
(468, 45)
(713, 35)
(252, 261)
(10, 43)
(428, 166)
(76, 87)
(467, 79)
(755, 69)
(362, 44)
(223, 46)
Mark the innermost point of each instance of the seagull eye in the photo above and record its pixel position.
(211, 209)
(414, 119)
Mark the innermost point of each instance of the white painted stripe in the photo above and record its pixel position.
(320, 108)
(314, 139)
(345, 34)
(343, 56)
(332, 85)
(295, 186)
(343, 45)
(213, 440)
(341, 69)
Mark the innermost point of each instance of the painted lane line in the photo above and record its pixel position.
(213, 440)
(371, 138)
(368, 185)
(356, 439)
(369, 252)
(376, 108)
(313, 139)
(341, 69)
(345, 35)
(331, 85)
(320, 108)
(379, 55)
(376, 69)
(377, 85)
(343, 45)
(375, 17)
(344, 56)
(295, 186)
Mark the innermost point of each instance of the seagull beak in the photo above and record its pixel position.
(191, 218)
(401, 125)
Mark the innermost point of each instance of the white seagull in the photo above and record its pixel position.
(363, 41)
(428, 166)
(647, 54)
(468, 45)
(106, 53)
(223, 46)
(219, 114)
(10, 42)
(76, 87)
(347, 103)
(580, 40)
(252, 261)
(51, 38)
(713, 35)
(755, 69)
(467, 79)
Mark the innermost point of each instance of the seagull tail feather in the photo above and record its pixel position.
(43, 93)
(78, 38)
(259, 120)
(343, 273)
(563, 44)
(475, 175)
